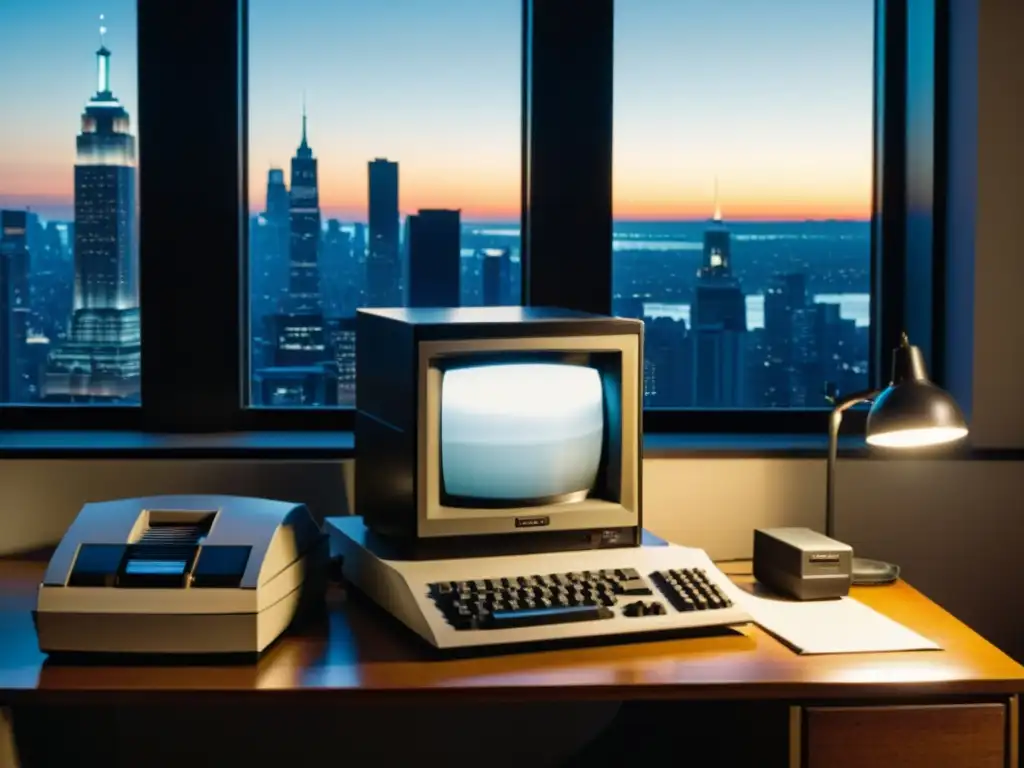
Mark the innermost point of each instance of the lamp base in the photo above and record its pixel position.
(873, 572)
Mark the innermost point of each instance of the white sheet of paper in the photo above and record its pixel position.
(833, 626)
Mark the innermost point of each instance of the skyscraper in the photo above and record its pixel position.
(106, 254)
(277, 239)
(101, 359)
(14, 250)
(8, 341)
(497, 268)
(301, 371)
(304, 217)
(719, 367)
(383, 268)
(6, 331)
(719, 297)
(785, 302)
(269, 242)
(434, 259)
(14, 226)
(340, 272)
(277, 203)
(719, 320)
(342, 334)
(835, 358)
(667, 376)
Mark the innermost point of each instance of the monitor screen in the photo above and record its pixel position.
(520, 433)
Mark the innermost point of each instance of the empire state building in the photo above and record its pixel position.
(101, 360)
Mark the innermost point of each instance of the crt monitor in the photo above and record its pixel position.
(508, 429)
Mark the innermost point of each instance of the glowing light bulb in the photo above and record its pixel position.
(917, 438)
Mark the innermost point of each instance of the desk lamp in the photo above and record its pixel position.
(910, 413)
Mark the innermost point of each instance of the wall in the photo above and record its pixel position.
(998, 261)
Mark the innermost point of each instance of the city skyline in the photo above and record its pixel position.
(806, 155)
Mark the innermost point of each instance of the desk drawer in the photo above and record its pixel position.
(951, 736)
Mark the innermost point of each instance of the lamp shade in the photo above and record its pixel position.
(912, 412)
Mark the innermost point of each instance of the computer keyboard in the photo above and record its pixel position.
(559, 598)
(537, 598)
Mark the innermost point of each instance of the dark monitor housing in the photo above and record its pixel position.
(498, 429)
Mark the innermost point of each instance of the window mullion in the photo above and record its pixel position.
(567, 146)
(191, 144)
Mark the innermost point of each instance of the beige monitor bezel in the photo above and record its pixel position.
(436, 519)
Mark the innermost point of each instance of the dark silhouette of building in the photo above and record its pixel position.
(497, 277)
(359, 262)
(719, 323)
(667, 379)
(341, 333)
(719, 297)
(434, 258)
(14, 241)
(337, 272)
(383, 268)
(785, 319)
(15, 368)
(8, 339)
(298, 340)
(301, 372)
(313, 386)
(52, 279)
(835, 357)
(100, 362)
(304, 218)
(270, 244)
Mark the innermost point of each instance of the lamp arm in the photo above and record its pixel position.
(835, 420)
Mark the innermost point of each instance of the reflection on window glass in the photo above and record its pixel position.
(384, 169)
(742, 189)
(69, 260)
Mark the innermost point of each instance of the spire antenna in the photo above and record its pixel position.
(718, 207)
(304, 142)
(103, 61)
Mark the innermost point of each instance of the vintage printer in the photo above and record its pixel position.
(180, 575)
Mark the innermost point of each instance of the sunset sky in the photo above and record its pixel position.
(773, 99)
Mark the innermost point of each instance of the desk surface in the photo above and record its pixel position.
(360, 652)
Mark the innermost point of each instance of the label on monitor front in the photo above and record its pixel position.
(533, 522)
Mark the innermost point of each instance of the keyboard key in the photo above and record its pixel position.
(633, 610)
(528, 618)
(635, 586)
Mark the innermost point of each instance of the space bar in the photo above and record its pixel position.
(536, 618)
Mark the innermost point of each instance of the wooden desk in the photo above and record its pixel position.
(956, 707)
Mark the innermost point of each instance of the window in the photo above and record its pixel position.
(69, 267)
(742, 197)
(384, 171)
(305, 160)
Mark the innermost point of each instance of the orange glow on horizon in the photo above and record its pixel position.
(53, 186)
(749, 210)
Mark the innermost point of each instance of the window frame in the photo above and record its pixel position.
(194, 144)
